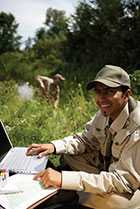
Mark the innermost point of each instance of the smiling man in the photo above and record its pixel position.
(104, 159)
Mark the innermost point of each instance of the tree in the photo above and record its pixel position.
(104, 32)
(9, 39)
(51, 39)
(56, 25)
(56, 22)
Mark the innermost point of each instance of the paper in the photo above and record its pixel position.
(31, 189)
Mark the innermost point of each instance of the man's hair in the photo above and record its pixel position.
(124, 88)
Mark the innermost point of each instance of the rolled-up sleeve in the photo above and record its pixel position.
(102, 183)
(77, 143)
(69, 145)
(71, 180)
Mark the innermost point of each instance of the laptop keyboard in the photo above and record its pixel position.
(17, 161)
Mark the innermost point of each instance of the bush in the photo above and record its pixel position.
(35, 121)
(135, 79)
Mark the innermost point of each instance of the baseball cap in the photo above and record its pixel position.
(112, 76)
(59, 76)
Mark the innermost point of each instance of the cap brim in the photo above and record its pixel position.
(60, 78)
(63, 79)
(92, 84)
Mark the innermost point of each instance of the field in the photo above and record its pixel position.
(28, 118)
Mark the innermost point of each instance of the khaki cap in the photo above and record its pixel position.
(59, 77)
(112, 76)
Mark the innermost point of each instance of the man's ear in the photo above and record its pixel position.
(128, 93)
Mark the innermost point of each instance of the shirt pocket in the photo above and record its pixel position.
(119, 142)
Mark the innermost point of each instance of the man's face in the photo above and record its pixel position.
(111, 101)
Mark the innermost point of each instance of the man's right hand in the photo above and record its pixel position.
(40, 149)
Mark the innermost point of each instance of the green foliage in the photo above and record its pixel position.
(50, 51)
(17, 66)
(105, 31)
(100, 32)
(9, 39)
(135, 78)
(37, 121)
(56, 21)
(51, 40)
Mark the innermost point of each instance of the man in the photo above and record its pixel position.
(105, 157)
(50, 88)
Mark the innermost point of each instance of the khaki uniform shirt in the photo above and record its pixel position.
(50, 89)
(117, 186)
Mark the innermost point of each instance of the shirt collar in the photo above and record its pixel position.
(120, 121)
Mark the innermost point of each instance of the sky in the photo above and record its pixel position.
(30, 14)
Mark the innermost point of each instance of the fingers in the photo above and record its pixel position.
(33, 149)
(39, 175)
(43, 178)
(43, 154)
(46, 149)
(49, 177)
(40, 149)
(36, 149)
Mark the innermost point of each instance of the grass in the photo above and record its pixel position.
(35, 121)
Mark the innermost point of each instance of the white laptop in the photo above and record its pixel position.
(15, 160)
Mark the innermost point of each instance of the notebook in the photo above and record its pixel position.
(15, 160)
(25, 193)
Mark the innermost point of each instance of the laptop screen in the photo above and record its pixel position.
(5, 143)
